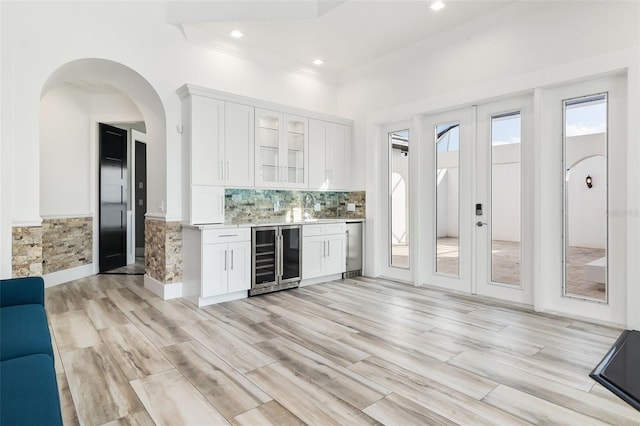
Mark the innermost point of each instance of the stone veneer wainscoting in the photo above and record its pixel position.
(66, 243)
(256, 205)
(26, 251)
(163, 250)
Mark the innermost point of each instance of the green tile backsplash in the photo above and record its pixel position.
(257, 205)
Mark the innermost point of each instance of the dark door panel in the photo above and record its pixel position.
(113, 198)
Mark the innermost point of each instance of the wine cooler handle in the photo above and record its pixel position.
(281, 256)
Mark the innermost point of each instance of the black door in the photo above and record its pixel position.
(141, 195)
(113, 198)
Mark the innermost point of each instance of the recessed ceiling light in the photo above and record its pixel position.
(437, 5)
(318, 61)
(236, 34)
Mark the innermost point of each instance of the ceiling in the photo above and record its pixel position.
(346, 34)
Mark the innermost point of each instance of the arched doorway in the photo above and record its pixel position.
(75, 99)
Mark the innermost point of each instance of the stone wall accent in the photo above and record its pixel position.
(26, 251)
(66, 243)
(163, 250)
(256, 205)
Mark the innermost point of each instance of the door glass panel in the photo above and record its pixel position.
(447, 147)
(268, 148)
(295, 151)
(291, 253)
(399, 198)
(505, 198)
(585, 197)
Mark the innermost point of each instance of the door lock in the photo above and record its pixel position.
(480, 223)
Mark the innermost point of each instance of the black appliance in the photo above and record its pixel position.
(276, 258)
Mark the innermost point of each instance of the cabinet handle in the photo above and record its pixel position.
(221, 174)
(281, 256)
(225, 260)
(232, 259)
(324, 249)
(228, 170)
(328, 249)
(228, 235)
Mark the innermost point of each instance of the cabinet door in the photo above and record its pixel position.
(214, 269)
(313, 253)
(318, 132)
(207, 133)
(238, 144)
(268, 140)
(335, 260)
(294, 152)
(337, 153)
(239, 266)
(207, 204)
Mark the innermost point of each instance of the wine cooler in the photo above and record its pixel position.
(276, 258)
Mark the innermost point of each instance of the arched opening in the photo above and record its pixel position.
(76, 98)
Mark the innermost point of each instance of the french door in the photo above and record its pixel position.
(477, 242)
(503, 199)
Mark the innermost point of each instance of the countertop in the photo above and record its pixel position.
(270, 223)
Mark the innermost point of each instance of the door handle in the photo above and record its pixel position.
(480, 223)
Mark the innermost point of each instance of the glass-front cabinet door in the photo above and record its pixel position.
(281, 149)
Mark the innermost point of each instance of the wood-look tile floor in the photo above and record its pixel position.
(348, 352)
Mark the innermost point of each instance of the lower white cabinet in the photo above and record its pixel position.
(323, 250)
(217, 264)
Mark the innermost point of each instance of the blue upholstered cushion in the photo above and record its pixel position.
(24, 331)
(29, 392)
(22, 291)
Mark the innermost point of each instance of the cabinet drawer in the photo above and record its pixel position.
(312, 230)
(225, 235)
(335, 228)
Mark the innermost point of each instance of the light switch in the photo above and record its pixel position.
(317, 207)
(351, 207)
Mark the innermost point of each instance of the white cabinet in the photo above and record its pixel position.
(207, 204)
(218, 150)
(329, 147)
(238, 145)
(323, 250)
(217, 264)
(281, 150)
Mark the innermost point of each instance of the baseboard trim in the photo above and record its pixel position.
(212, 300)
(320, 280)
(164, 291)
(60, 277)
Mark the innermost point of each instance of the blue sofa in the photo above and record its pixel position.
(28, 385)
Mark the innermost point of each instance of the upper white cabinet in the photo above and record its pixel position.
(204, 127)
(281, 150)
(329, 147)
(218, 150)
(238, 144)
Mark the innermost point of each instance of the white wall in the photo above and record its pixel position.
(38, 38)
(69, 147)
(65, 148)
(587, 219)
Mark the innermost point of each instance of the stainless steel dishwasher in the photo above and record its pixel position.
(354, 250)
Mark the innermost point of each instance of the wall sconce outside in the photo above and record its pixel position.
(589, 182)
